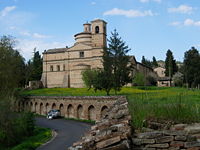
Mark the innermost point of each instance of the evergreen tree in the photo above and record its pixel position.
(34, 67)
(146, 62)
(118, 61)
(170, 64)
(192, 67)
(154, 62)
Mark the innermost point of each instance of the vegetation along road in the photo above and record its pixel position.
(68, 132)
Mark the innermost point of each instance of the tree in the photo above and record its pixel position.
(146, 62)
(37, 66)
(11, 65)
(116, 59)
(89, 77)
(191, 67)
(154, 62)
(170, 64)
(178, 79)
(139, 79)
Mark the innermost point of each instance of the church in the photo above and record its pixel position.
(62, 67)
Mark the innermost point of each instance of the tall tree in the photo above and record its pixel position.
(34, 67)
(11, 65)
(170, 64)
(192, 67)
(154, 62)
(117, 53)
(146, 62)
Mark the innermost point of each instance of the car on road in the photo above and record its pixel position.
(54, 113)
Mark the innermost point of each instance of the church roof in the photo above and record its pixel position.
(56, 50)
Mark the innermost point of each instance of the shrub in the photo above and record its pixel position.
(139, 79)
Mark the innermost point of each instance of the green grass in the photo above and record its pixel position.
(164, 103)
(41, 135)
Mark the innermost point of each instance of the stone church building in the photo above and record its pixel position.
(62, 67)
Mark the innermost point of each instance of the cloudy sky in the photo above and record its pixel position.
(149, 27)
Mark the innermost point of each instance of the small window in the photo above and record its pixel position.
(58, 67)
(64, 67)
(97, 29)
(81, 54)
(51, 68)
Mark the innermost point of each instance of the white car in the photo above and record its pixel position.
(54, 113)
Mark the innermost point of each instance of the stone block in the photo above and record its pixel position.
(108, 142)
(172, 132)
(149, 135)
(180, 138)
(192, 144)
(164, 139)
(177, 144)
(165, 145)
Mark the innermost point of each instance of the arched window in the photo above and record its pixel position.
(97, 29)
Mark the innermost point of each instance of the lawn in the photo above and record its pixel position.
(167, 103)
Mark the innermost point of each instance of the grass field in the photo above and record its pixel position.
(167, 103)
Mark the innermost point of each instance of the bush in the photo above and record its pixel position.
(139, 79)
(14, 127)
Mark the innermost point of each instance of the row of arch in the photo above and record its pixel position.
(69, 111)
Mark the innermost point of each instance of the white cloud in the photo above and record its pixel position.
(175, 23)
(128, 13)
(93, 3)
(26, 46)
(186, 22)
(146, 1)
(25, 33)
(184, 9)
(6, 10)
(190, 22)
(34, 35)
(40, 36)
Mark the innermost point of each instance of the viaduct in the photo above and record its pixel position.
(79, 107)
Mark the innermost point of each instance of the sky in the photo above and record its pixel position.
(149, 27)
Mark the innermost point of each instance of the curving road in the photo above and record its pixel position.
(68, 132)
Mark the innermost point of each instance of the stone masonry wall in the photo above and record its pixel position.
(179, 136)
(113, 132)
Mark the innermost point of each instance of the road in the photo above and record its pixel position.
(68, 132)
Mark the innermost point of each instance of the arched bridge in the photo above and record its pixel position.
(80, 107)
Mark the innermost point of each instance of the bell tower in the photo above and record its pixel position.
(98, 33)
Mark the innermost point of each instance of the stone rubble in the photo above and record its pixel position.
(113, 132)
(179, 136)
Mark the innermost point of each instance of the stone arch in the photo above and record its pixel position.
(41, 111)
(104, 109)
(70, 111)
(36, 104)
(53, 106)
(31, 106)
(47, 108)
(91, 113)
(97, 29)
(61, 108)
(80, 112)
(27, 106)
(19, 106)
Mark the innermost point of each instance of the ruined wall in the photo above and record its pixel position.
(113, 132)
(179, 136)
